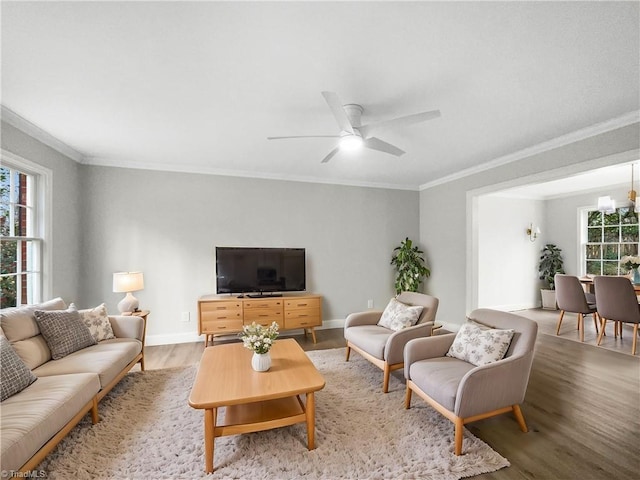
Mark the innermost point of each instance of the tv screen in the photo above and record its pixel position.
(248, 269)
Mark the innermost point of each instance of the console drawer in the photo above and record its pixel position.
(263, 316)
(302, 303)
(221, 326)
(269, 303)
(221, 307)
(302, 318)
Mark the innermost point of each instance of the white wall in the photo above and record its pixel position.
(168, 224)
(507, 259)
(448, 227)
(66, 229)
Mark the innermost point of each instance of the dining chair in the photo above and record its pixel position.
(572, 298)
(617, 301)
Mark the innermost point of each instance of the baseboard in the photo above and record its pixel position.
(193, 337)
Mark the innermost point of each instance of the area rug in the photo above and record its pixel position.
(147, 430)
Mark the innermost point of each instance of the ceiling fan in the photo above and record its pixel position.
(354, 135)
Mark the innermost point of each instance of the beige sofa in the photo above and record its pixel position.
(34, 420)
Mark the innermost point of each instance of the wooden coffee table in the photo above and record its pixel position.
(254, 401)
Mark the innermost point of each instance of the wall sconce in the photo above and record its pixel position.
(606, 204)
(533, 232)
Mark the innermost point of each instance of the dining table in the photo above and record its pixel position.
(587, 283)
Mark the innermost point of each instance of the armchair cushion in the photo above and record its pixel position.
(398, 315)
(440, 377)
(480, 346)
(371, 338)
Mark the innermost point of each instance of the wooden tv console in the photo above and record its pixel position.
(224, 315)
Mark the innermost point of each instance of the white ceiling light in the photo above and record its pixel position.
(606, 204)
(349, 143)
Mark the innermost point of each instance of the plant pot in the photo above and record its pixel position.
(548, 299)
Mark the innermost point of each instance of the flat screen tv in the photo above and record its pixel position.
(260, 270)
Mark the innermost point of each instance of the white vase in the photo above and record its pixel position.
(261, 362)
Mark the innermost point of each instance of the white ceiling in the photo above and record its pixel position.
(199, 86)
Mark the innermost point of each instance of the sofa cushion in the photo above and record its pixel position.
(64, 331)
(398, 315)
(15, 376)
(19, 323)
(108, 358)
(51, 403)
(479, 345)
(97, 320)
(33, 351)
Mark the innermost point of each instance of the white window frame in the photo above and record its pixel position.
(583, 238)
(40, 228)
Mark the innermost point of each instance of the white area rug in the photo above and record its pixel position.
(147, 430)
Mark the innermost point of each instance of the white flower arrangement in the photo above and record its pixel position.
(630, 262)
(258, 338)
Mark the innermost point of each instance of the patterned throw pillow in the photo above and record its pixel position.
(15, 376)
(64, 331)
(398, 315)
(480, 346)
(97, 320)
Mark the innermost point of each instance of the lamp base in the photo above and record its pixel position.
(128, 304)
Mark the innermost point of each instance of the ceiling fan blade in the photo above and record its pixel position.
(330, 155)
(338, 112)
(368, 130)
(304, 136)
(376, 144)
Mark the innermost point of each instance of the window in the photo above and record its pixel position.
(609, 237)
(22, 231)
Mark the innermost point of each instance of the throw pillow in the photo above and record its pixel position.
(480, 346)
(398, 315)
(97, 320)
(64, 331)
(15, 376)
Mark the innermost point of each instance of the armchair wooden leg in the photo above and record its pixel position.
(407, 398)
(458, 436)
(520, 418)
(348, 353)
(385, 381)
(559, 322)
(635, 339)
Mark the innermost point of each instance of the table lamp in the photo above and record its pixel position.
(128, 282)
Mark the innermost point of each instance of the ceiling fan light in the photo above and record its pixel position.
(350, 143)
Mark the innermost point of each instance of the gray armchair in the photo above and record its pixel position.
(384, 347)
(463, 392)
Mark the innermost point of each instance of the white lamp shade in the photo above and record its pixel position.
(127, 282)
(606, 204)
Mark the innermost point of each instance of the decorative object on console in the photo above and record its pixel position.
(259, 339)
(127, 282)
(533, 232)
(410, 266)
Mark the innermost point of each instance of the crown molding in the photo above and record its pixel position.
(582, 134)
(200, 170)
(39, 134)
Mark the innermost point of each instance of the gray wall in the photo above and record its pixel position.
(167, 224)
(67, 228)
(446, 222)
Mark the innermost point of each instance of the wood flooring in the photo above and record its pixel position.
(582, 405)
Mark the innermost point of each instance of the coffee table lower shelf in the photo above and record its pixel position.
(258, 416)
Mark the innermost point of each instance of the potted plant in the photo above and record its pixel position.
(259, 339)
(410, 266)
(550, 263)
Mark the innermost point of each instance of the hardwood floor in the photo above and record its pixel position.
(582, 405)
